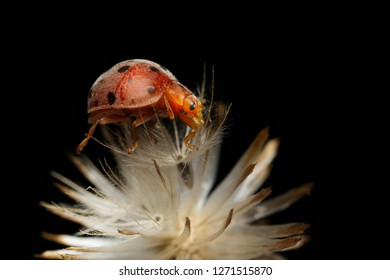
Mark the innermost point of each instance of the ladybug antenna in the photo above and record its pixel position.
(203, 86)
(212, 93)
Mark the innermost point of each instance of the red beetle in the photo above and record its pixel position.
(143, 90)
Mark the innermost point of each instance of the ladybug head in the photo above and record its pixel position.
(192, 112)
(185, 105)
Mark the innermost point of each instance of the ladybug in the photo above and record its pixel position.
(141, 90)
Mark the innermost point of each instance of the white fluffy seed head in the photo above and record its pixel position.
(161, 201)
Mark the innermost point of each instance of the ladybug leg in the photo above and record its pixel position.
(188, 138)
(143, 119)
(81, 146)
(134, 134)
(88, 136)
(91, 130)
(170, 113)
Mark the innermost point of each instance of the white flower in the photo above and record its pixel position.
(161, 202)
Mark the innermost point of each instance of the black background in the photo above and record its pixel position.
(309, 82)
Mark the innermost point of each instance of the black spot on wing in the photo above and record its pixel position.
(111, 98)
(151, 89)
(154, 69)
(123, 69)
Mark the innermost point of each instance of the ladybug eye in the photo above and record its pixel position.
(192, 105)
